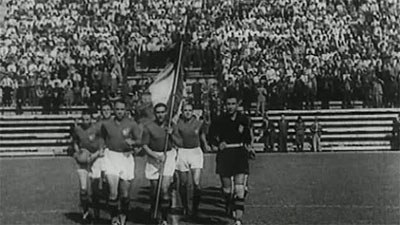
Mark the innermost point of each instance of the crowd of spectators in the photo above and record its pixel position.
(279, 53)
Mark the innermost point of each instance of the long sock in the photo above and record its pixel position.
(96, 196)
(228, 201)
(196, 199)
(184, 196)
(125, 205)
(113, 207)
(84, 198)
(238, 206)
(164, 207)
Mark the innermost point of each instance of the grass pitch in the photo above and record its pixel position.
(304, 188)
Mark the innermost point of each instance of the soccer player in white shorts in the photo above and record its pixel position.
(121, 137)
(190, 156)
(88, 154)
(160, 161)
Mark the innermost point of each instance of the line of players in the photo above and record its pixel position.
(107, 149)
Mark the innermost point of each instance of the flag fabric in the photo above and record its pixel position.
(162, 89)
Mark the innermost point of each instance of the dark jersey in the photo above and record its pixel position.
(88, 138)
(224, 129)
(190, 132)
(154, 136)
(116, 132)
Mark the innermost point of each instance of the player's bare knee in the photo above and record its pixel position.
(239, 190)
(226, 190)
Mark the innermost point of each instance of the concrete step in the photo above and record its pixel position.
(358, 148)
(30, 129)
(34, 149)
(31, 154)
(307, 147)
(40, 142)
(356, 123)
(40, 122)
(35, 135)
(322, 118)
(40, 117)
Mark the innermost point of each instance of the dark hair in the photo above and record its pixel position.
(186, 104)
(231, 95)
(158, 105)
(87, 112)
(119, 101)
(106, 103)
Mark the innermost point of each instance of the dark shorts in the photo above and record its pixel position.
(232, 161)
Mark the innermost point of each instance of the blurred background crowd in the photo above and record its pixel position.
(282, 54)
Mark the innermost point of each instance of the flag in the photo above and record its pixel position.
(163, 91)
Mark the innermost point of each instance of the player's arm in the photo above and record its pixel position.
(134, 139)
(214, 135)
(147, 149)
(175, 136)
(75, 140)
(203, 137)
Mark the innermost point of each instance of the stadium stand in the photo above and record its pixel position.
(344, 130)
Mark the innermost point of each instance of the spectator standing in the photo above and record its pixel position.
(261, 99)
(283, 134)
(85, 93)
(396, 133)
(392, 92)
(57, 98)
(116, 75)
(19, 98)
(316, 132)
(47, 98)
(68, 98)
(300, 130)
(7, 84)
(197, 91)
(347, 91)
(268, 134)
(1, 97)
(30, 90)
(377, 92)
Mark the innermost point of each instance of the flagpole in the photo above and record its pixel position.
(171, 110)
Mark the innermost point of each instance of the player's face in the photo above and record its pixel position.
(188, 111)
(231, 105)
(106, 111)
(120, 110)
(86, 120)
(161, 113)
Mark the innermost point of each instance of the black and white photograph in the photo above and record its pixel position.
(200, 112)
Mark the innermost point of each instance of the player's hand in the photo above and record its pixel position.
(222, 145)
(130, 141)
(101, 152)
(136, 150)
(214, 148)
(160, 158)
(207, 148)
(169, 130)
(127, 154)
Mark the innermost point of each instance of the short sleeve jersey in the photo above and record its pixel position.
(88, 138)
(190, 131)
(116, 132)
(154, 136)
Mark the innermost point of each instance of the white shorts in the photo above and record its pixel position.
(153, 168)
(189, 158)
(119, 164)
(97, 167)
